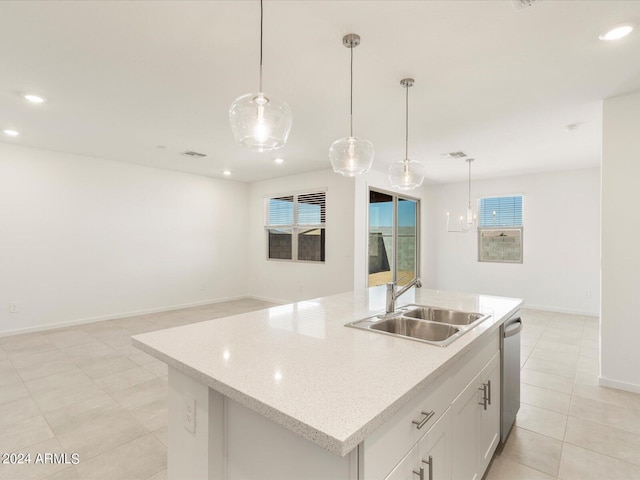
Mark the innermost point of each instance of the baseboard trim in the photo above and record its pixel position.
(102, 318)
(561, 310)
(268, 299)
(627, 387)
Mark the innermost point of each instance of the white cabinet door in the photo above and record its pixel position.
(465, 423)
(434, 450)
(490, 424)
(434, 447)
(404, 470)
(476, 423)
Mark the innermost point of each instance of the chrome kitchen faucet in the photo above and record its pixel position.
(393, 294)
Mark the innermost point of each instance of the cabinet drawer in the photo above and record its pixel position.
(384, 447)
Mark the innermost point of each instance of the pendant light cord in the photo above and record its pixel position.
(469, 161)
(406, 127)
(261, 17)
(351, 101)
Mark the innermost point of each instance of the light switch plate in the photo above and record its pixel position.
(189, 413)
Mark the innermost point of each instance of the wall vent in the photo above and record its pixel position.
(192, 154)
(520, 4)
(454, 155)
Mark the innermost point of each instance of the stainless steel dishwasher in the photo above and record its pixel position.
(509, 373)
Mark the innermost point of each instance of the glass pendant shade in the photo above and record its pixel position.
(259, 122)
(406, 174)
(470, 223)
(351, 156)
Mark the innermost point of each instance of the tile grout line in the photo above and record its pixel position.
(43, 414)
(544, 388)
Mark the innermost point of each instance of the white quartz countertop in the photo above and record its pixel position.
(299, 365)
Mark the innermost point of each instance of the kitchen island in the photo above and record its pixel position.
(245, 390)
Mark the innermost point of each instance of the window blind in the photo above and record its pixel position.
(501, 211)
(295, 226)
(312, 208)
(280, 211)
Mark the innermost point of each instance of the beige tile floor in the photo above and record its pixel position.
(568, 427)
(85, 389)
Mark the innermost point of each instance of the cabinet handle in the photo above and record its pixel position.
(420, 473)
(430, 463)
(427, 416)
(484, 396)
(489, 388)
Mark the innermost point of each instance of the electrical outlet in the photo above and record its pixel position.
(189, 413)
(587, 294)
(13, 308)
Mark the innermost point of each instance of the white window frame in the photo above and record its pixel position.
(295, 227)
(506, 230)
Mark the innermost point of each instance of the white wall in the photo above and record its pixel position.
(561, 241)
(287, 281)
(82, 238)
(620, 314)
(428, 247)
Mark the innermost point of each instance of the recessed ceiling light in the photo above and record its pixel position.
(33, 98)
(11, 133)
(617, 33)
(226, 172)
(279, 161)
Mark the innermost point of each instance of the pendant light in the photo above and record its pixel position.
(471, 222)
(406, 174)
(351, 156)
(259, 121)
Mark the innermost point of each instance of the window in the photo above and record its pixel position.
(501, 212)
(500, 229)
(393, 238)
(295, 226)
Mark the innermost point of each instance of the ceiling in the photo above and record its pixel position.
(123, 78)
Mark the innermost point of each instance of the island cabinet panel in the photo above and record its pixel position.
(232, 442)
(258, 448)
(476, 423)
(390, 448)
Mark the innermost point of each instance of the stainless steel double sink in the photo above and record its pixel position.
(434, 325)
